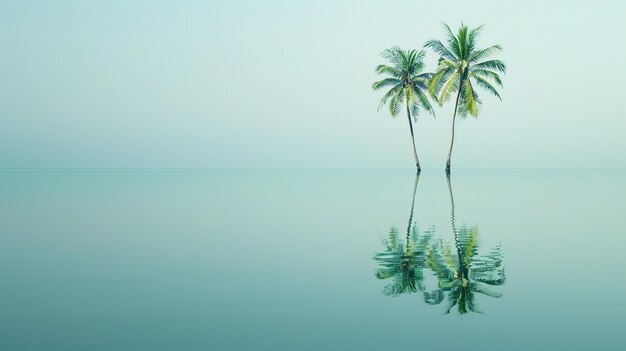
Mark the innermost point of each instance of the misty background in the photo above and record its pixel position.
(278, 84)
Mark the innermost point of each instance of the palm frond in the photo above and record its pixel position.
(425, 102)
(388, 95)
(462, 42)
(471, 102)
(438, 80)
(449, 87)
(422, 80)
(438, 47)
(395, 104)
(385, 69)
(413, 62)
(495, 65)
(471, 40)
(453, 43)
(385, 83)
(482, 82)
(415, 111)
(393, 54)
(487, 74)
(484, 53)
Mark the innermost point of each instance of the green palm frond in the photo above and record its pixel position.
(471, 102)
(421, 81)
(425, 102)
(388, 95)
(496, 65)
(458, 62)
(471, 40)
(386, 83)
(414, 101)
(393, 55)
(395, 104)
(482, 82)
(462, 42)
(440, 49)
(484, 53)
(439, 79)
(385, 69)
(487, 74)
(453, 42)
(449, 87)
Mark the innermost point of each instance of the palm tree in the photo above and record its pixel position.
(465, 273)
(404, 261)
(461, 68)
(407, 84)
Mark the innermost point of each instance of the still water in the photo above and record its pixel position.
(312, 260)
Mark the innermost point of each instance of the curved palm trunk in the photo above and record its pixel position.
(456, 106)
(417, 161)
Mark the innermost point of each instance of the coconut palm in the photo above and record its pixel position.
(462, 68)
(464, 273)
(404, 261)
(407, 85)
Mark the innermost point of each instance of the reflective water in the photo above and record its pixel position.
(312, 260)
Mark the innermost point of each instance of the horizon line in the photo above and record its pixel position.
(17, 169)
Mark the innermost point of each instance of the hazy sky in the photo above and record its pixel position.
(288, 84)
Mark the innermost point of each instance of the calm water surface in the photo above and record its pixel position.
(312, 260)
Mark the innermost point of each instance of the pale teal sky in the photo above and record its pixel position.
(287, 84)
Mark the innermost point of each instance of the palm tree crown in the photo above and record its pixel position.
(462, 68)
(407, 82)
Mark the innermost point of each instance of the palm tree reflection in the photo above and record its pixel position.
(404, 261)
(461, 275)
(464, 274)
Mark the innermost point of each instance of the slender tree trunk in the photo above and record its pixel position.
(456, 106)
(417, 161)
